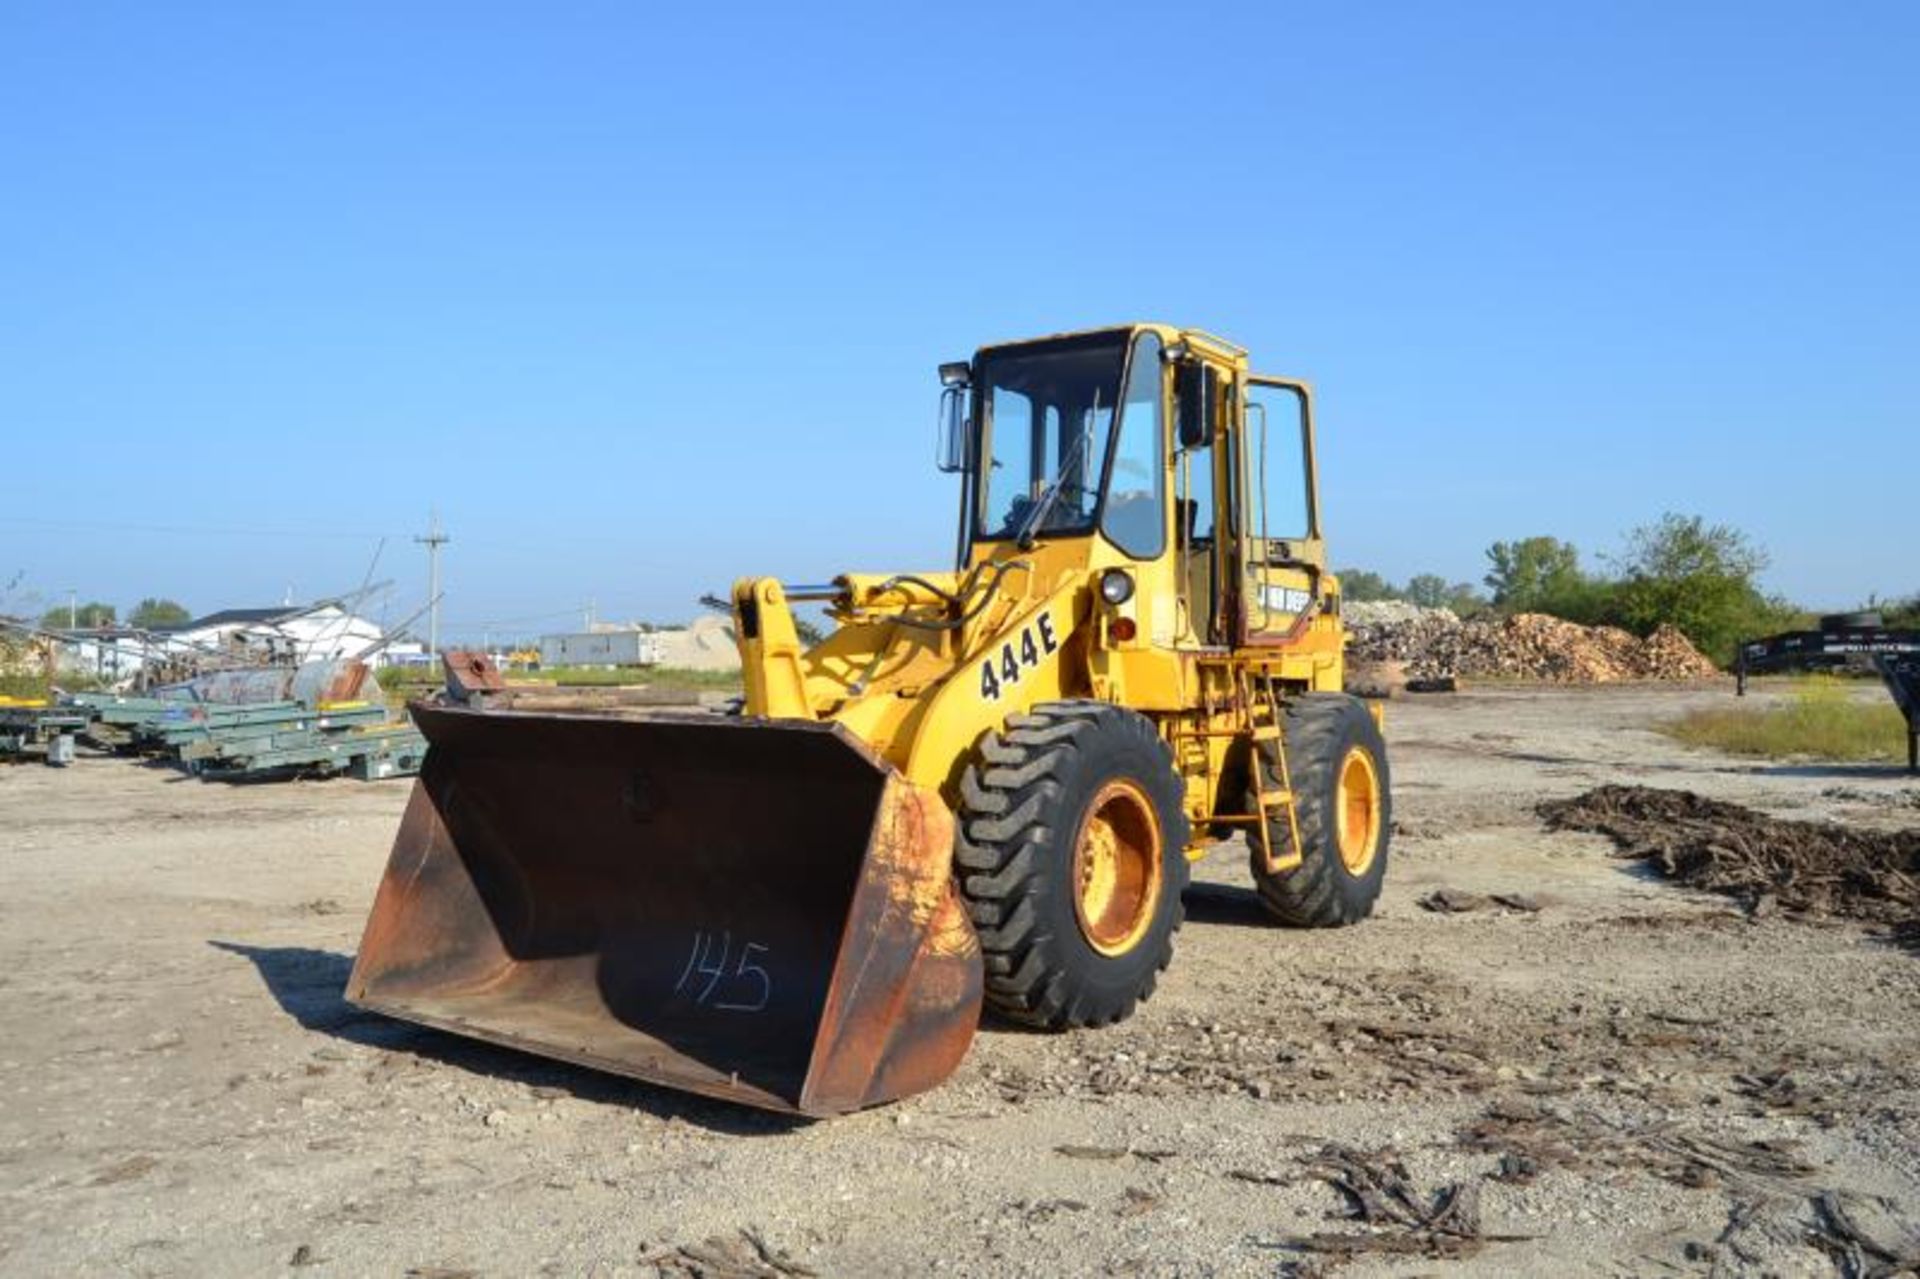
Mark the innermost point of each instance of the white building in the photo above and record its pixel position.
(602, 646)
(110, 653)
(302, 633)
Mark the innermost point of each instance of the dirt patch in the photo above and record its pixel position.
(1532, 1138)
(188, 1093)
(1774, 1188)
(1455, 901)
(1385, 1033)
(1803, 868)
(743, 1255)
(1400, 1218)
(1878, 799)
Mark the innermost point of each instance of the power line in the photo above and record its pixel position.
(500, 623)
(433, 540)
(639, 554)
(191, 530)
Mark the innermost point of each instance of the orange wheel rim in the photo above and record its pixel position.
(1357, 811)
(1116, 868)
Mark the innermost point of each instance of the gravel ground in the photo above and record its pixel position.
(1627, 1078)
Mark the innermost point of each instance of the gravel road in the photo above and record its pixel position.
(1606, 1075)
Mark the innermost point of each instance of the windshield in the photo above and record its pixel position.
(1045, 413)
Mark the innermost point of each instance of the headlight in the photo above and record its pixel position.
(1116, 586)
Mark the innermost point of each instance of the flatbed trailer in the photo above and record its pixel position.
(235, 741)
(1840, 642)
(245, 728)
(369, 752)
(152, 725)
(30, 726)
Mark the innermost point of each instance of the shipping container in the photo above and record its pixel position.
(599, 648)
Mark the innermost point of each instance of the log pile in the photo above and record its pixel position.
(1436, 644)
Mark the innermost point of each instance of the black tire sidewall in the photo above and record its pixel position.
(1353, 729)
(1322, 729)
(1111, 981)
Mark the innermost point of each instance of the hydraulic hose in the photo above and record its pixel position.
(971, 585)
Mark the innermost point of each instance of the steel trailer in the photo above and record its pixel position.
(30, 726)
(1840, 642)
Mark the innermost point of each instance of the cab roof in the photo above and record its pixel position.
(1218, 347)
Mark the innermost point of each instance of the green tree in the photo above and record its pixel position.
(1428, 590)
(1360, 586)
(1590, 600)
(1700, 577)
(1463, 599)
(1676, 547)
(1534, 575)
(90, 614)
(1904, 614)
(152, 614)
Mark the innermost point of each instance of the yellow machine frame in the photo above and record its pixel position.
(806, 906)
(923, 698)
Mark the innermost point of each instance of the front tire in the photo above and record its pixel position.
(1071, 851)
(1345, 806)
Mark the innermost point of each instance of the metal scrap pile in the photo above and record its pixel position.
(1434, 643)
(318, 718)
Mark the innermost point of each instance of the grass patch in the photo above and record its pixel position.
(23, 686)
(1821, 719)
(619, 676)
(685, 677)
(410, 679)
(584, 676)
(35, 686)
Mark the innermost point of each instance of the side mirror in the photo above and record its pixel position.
(1195, 388)
(950, 441)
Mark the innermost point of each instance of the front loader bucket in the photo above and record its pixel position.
(760, 910)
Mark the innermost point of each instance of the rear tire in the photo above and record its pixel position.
(1345, 803)
(1071, 856)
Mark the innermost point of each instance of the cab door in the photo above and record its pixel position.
(1281, 554)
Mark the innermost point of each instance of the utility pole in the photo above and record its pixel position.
(586, 616)
(73, 600)
(433, 539)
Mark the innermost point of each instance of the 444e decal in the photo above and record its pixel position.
(1020, 654)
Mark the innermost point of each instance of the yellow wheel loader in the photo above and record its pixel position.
(984, 785)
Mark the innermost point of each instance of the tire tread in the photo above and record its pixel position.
(1309, 895)
(1010, 796)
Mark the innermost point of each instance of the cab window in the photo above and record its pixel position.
(1135, 515)
(1277, 440)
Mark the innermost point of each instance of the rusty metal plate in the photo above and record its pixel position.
(755, 910)
(470, 673)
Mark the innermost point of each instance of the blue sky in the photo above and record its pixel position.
(645, 298)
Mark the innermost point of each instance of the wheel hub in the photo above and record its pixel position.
(1116, 868)
(1357, 811)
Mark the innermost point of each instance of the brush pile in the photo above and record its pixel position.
(1805, 869)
